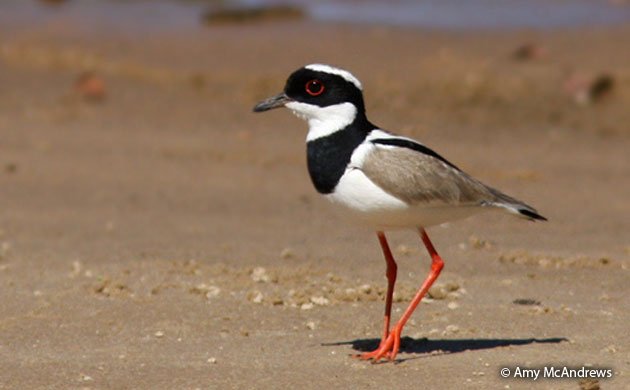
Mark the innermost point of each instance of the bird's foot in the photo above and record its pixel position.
(387, 349)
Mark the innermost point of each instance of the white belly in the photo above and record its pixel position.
(365, 201)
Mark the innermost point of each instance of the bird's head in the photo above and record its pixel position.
(325, 96)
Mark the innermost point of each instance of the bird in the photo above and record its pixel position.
(380, 179)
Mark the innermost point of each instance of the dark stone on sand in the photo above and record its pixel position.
(237, 15)
(526, 302)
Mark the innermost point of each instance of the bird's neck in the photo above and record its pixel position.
(328, 120)
(328, 156)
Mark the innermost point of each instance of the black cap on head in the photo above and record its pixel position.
(322, 89)
(318, 85)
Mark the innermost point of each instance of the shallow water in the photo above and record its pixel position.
(476, 14)
(145, 15)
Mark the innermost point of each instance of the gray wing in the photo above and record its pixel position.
(418, 175)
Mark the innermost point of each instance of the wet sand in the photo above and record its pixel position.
(165, 237)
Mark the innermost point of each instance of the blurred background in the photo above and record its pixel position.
(449, 14)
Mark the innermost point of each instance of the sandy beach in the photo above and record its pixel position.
(158, 235)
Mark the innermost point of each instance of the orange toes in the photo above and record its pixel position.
(388, 349)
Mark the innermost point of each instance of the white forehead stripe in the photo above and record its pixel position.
(336, 71)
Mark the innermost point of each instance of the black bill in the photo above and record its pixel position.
(272, 102)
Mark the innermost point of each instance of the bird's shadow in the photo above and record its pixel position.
(427, 347)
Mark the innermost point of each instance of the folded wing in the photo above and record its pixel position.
(419, 176)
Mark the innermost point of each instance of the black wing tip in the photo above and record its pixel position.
(534, 216)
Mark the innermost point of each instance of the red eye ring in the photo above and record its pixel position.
(314, 87)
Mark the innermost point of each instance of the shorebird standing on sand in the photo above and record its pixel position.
(384, 180)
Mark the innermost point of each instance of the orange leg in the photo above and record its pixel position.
(391, 273)
(389, 348)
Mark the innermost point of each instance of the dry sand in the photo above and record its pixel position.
(167, 238)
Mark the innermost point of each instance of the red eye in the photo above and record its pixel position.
(314, 87)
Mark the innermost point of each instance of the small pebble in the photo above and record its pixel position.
(530, 51)
(159, 333)
(76, 269)
(450, 329)
(320, 301)
(437, 292)
(90, 87)
(307, 306)
(277, 301)
(259, 274)
(333, 278)
(540, 310)
(404, 250)
(478, 243)
(526, 302)
(204, 289)
(287, 253)
(256, 297)
(452, 305)
(5, 247)
(589, 384)
(452, 286)
(10, 168)
(212, 360)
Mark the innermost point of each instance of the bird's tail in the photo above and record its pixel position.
(514, 206)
